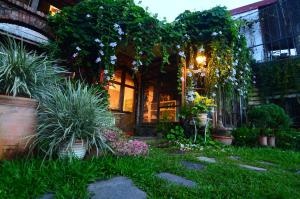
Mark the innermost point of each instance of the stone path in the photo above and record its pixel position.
(252, 168)
(47, 196)
(233, 157)
(192, 165)
(207, 159)
(298, 172)
(116, 188)
(177, 179)
(266, 163)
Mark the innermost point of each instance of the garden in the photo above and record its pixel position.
(59, 139)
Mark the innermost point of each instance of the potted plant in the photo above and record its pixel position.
(22, 74)
(72, 119)
(223, 135)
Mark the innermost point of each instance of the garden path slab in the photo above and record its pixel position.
(116, 188)
(192, 165)
(47, 196)
(234, 157)
(207, 159)
(176, 179)
(267, 163)
(298, 172)
(253, 168)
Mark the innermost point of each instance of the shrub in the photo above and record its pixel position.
(245, 136)
(75, 112)
(24, 73)
(269, 116)
(288, 139)
(176, 134)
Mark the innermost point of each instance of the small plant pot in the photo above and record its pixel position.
(226, 140)
(77, 150)
(202, 119)
(263, 140)
(272, 141)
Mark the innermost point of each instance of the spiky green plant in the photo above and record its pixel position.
(74, 112)
(23, 73)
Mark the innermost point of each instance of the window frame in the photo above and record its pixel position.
(123, 85)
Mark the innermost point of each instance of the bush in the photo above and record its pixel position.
(75, 112)
(245, 136)
(269, 116)
(176, 134)
(288, 139)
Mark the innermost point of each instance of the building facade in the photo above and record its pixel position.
(272, 29)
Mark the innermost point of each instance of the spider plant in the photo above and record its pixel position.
(69, 113)
(23, 73)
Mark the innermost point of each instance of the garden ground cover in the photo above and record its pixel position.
(29, 178)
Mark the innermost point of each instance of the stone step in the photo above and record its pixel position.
(176, 179)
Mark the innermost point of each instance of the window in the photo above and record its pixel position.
(121, 92)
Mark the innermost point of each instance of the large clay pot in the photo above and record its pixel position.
(226, 140)
(18, 119)
(263, 140)
(77, 150)
(271, 141)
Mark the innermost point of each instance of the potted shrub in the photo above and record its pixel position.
(72, 119)
(269, 118)
(22, 74)
(223, 135)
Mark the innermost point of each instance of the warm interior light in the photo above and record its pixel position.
(53, 10)
(201, 59)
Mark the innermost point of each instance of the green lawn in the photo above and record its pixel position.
(29, 179)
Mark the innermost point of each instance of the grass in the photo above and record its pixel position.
(30, 178)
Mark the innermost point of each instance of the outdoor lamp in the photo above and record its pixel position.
(201, 59)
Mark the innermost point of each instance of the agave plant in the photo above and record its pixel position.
(74, 112)
(23, 73)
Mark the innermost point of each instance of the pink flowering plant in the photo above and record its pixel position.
(122, 146)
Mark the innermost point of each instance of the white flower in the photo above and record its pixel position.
(98, 60)
(216, 86)
(214, 34)
(254, 82)
(233, 72)
(182, 79)
(88, 15)
(75, 55)
(191, 66)
(181, 54)
(107, 78)
(113, 58)
(220, 32)
(214, 94)
(141, 53)
(134, 63)
(113, 44)
(135, 68)
(189, 74)
(236, 62)
(101, 52)
(116, 26)
(97, 40)
(201, 49)
(105, 72)
(78, 48)
(120, 31)
(101, 44)
(202, 74)
(101, 7)
(113, 62)
(178, 46)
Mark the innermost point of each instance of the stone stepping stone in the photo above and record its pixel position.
(298, 172)
(47, 196)
(115, 188)
(207, 159)
(233, 157)
(267, 163)
(252, 168)
(192, 165)
(176, 179)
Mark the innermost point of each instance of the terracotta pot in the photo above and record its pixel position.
(18, 119)
(77, 150)
(271, 141)
(227, 140)
(263, 140)
(203, 119)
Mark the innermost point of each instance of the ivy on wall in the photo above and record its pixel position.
(278, 77)
(92, 33)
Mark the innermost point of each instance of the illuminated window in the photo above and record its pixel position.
(121, 92)
(53, 10)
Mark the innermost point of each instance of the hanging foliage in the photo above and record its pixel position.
(92, 33)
